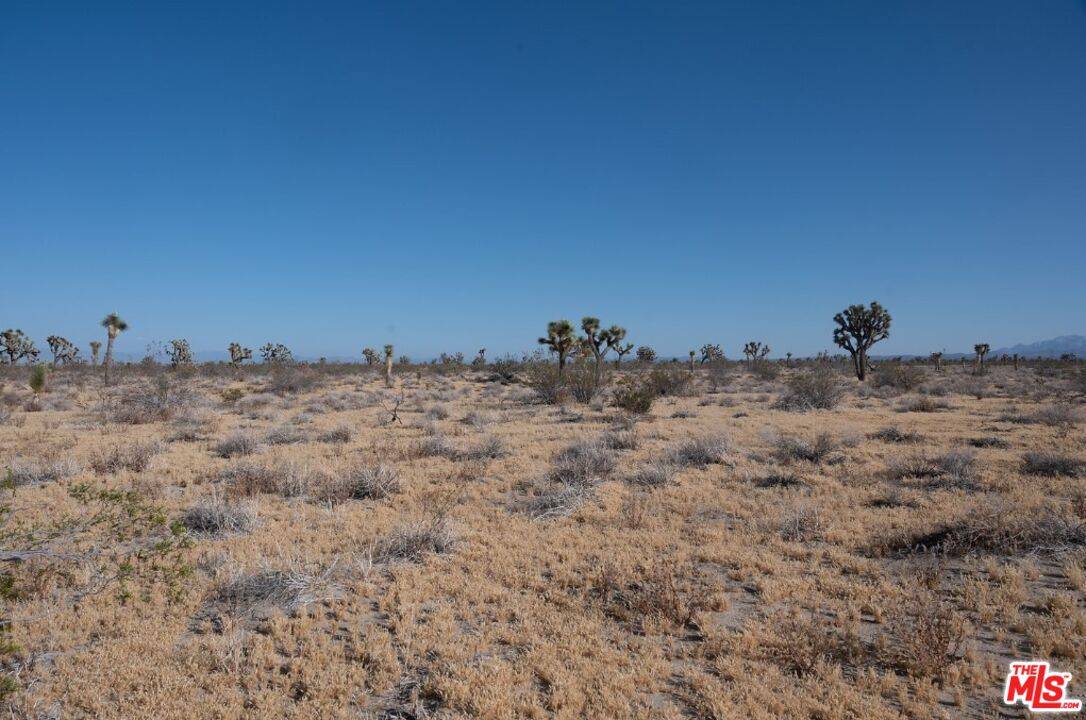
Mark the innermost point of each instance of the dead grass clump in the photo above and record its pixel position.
(436, 445)
(268, 590)
(925, 634)
(341, 434)
(620, 439)
(781, 480)
(804, 522)
(789, 448)
(893, 435)
(284, 435)
(373, 482)
(1003, 526)
(491, 448)
(151, 402)
(1052, 464)
(237, 444)
(22, 472)
(216, 517)
(557, 501)
(583, 464)
(413, 542)
(952, 469)
(800, 642)
(816, 389)
(650, 596)
(135, 457)
(989, 442)
(653, 474)
(288, 479)
(699, 452)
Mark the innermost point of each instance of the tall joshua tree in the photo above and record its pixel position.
(113, 325)
(981, 349)
(599, 342)
(622, 350)
(561, 340)
(64, 352)
(239, 354)
(17, 346)
(388, 366)
(755, 351)
(711, 353)
(858, 328)
(95, 346)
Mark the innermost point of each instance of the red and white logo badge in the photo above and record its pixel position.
(1039, 688)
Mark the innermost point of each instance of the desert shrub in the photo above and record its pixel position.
(801, 642)
(804, 522)
(25, 472)
(699, 452)
(635, 395)
(267, 590)
(284, 435)
(479, 420)
(339, 434)
(236, 444)
(899, 376)
(505, 368)
(653, 474)
(134, 456)
(789, 447)
(556, 502)
(291, 379)
(765, 371)
(670, 380)
(952, 469)
(413, 542)
(816, 389)
(289, 479)
(437, 412)
(1053, 464)
(216, 517)
(373, 482)
(1061, 416)
(581, 382)
(655, 594)
(151, 402)
(543, 380)
(894, 435)
(989, 442)
(583, 464)
(232, 395)
(435, 445)
(620, 439)
(923, 404)
(491, 448)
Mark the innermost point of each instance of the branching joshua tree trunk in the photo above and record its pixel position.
(858, 328)
(981, 349)
(621, 351)
(599, 342)
(388, 366)
(113, 325)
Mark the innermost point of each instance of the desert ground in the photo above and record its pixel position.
(305, 542)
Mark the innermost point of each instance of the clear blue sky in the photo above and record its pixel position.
(448, 176)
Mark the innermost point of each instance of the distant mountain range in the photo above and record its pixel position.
(1048, 348)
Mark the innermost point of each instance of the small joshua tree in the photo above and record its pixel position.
(561, 340)
(621, 350)
(370, 356)
(692, 356)
(599, 342)
(276, 354)
(480, 359)
(936, 359)
(64, 352)
(113, 325)
(711, 353)
(38, 376)
(981, 349)
(95, 346)
(179, 352)
(17, 346)
(239, 354)
(388, 366)
(858, 328)
(646, 355)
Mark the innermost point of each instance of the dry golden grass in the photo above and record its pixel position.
(720, 558)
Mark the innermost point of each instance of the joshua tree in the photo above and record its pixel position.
(936, 359)
(599, 342)
(981, 349)
(711, 353)
(692, 356)
(388, 366)
(113, 325)
(277, 353)
(17, 346)
(480, 359)
(755, 351)
(788, 358)
(180, 353)
(63, 351)
(239, 354)
(561, 340)
(646, 355)
(370, 356)
(858, 328)
(1016, 361)
(95, 346)
(621, 350)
